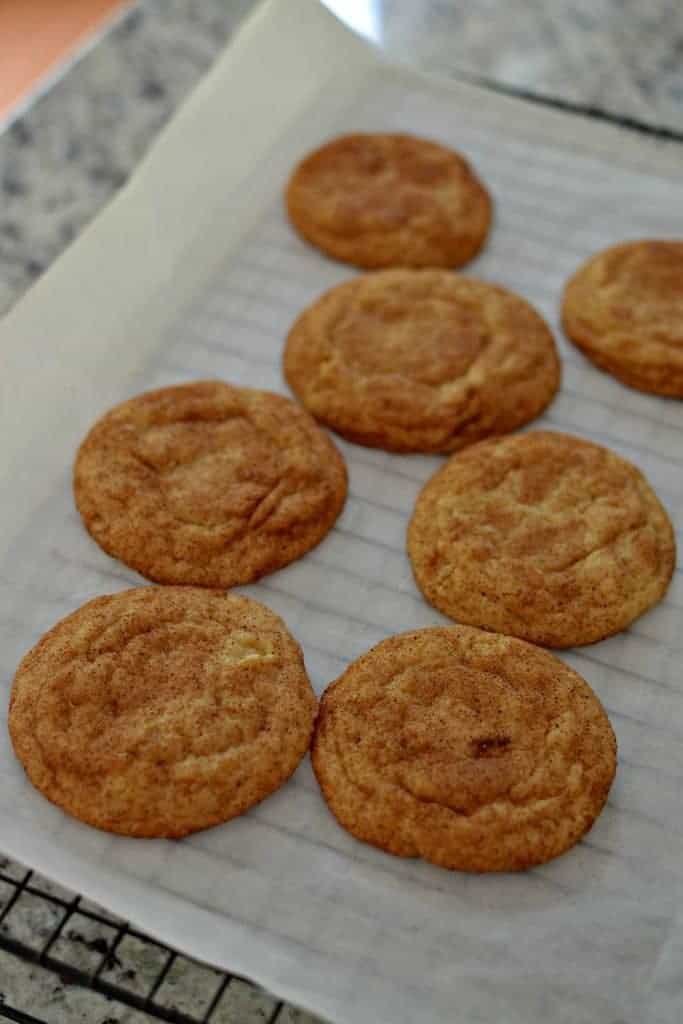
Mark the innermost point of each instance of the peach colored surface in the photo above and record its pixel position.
(36, 34)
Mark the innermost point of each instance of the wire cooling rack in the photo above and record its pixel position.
(84, 945)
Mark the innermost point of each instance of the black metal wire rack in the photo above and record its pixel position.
(82, 944)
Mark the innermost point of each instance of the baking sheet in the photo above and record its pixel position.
(193, 272)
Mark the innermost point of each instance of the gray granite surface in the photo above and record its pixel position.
(78, 144)
(624, 57)
(61, 162)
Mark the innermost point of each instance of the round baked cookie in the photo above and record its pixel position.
(379, 200)
(208, 484)
(474, 751)
(421, 360)
(544, 536)
(162, 710)
(624, 309)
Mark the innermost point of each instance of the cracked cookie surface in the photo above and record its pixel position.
(162, 710)
(624, 309)
(389, 200)
(472, 750)
(544, 536)
(208, 484)
(421, 360)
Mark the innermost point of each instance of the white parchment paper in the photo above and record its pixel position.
(192, 273)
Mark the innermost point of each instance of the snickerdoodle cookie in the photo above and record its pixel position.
(162, 710)
(382, 200)
(472, 750)
(421, 360)
(624, 310)
(208, 484)
(541, 535)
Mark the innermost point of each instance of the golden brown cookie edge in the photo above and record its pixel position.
(538, 636)
(387, 439)
(382, 256)
(207, 576)
(24, 747)
(387, 839)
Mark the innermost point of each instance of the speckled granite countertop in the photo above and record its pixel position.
(75, 147)
(61, 162)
